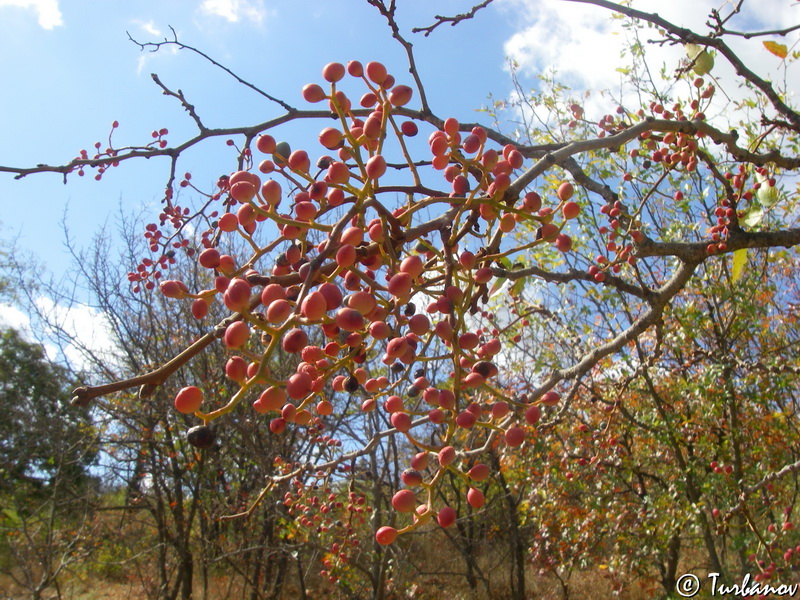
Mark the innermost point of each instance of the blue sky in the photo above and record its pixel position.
(69, 78)
(70, 71)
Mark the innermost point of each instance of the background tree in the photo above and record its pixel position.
(46, 485)
(41, 433)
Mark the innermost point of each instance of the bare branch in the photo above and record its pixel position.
(737, 239)
(755, 34)
(750, 490)
(574, 275)
(440, 20)
(155, 46)
(687, 36)
(388, 13)
(182, 99)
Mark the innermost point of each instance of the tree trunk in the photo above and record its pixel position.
(669, 570)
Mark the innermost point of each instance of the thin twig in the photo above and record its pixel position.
(440, 20)
(388, 13)
(155, 46)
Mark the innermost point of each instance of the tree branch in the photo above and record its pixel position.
(441, 20)
(687, 36)
(155, 46)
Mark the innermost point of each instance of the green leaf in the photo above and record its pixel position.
(767, 194)
(518, 286)
(752, 218)
(739, 261)
(702, 60)
(497, 286)
(13, 517)
(692, 50)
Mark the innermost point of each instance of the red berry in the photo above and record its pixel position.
(563, 242)
(237, 296)
(479, 472)
(266, 144)
(298, 385)
(294, 341)
(446, 517)
(376, 72)
(199, 308)
(189, 399)
(565, 191)
(401, 421)
(375, 167)
(386, 535)
(571, 210)
(333, 72)
(404, 501)
(411, 477)
(400, 95)
(236, 334)
(483, 275)
(273, 398)
(515, 436)
(349, 319)
(236, 368)
(314, 306)
(447, 455)
(533, 414)
(355, 68)
(475, 498)
(209, 258)
(409, 128)
(313, 93)
(551, 398)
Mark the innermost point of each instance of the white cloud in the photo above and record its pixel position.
(234, 11)
(47, 11)
(148, 27)
(140, 64)
(14, 318)
(583, 44)
(11, 316)
(83, 324)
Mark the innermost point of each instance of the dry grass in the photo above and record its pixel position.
(101, 590)
(444, 580)
(592, 584)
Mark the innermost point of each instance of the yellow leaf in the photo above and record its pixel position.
(739, 261)
(777, 49)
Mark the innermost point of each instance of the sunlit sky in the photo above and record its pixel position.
(69, 70)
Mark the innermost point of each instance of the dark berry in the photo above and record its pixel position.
(201, 436)
(484, 368)
(351, 384)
